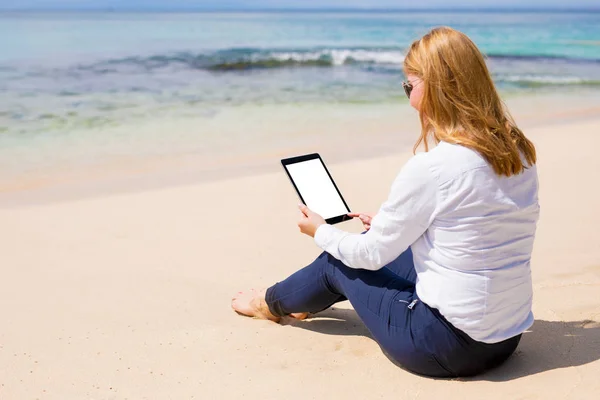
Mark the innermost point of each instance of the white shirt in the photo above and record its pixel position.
(471, 233)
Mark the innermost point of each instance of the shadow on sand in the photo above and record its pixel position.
(547, 345)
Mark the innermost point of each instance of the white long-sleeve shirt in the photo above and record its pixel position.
(471, 233)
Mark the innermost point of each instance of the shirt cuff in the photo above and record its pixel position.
(323, 235)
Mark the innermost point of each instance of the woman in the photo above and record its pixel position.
(441, 278)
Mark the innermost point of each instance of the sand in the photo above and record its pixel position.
(127, 296)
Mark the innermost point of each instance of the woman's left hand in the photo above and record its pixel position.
(309, 221)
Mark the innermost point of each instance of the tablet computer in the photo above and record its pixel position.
(316, 187)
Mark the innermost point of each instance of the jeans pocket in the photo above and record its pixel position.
(400, 313)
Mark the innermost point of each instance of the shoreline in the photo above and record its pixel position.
(391, 129)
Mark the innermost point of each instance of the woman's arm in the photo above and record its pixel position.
(400, 221)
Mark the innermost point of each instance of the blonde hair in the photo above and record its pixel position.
(460, 103)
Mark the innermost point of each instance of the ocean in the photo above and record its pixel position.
(78, 70)
(68, 74)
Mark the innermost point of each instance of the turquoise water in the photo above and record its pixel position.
(71, 71)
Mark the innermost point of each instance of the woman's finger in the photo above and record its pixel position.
(303, 209)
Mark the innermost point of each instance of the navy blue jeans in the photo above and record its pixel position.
(413, 335)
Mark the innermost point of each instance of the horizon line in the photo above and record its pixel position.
(300, 9)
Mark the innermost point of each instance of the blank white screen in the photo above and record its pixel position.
(316, 188)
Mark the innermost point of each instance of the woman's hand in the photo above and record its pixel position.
(309, 221)
(364, 218)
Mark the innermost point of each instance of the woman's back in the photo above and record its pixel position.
(473, 262)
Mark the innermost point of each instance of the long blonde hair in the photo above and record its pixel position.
(460, 103)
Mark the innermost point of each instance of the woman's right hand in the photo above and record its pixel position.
(364, 218)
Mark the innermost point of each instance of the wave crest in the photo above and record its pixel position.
(248, 59)
(377, 59)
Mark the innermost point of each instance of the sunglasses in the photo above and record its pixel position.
(408, 88)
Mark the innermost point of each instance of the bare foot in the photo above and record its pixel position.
(252, 304)
(300, 316)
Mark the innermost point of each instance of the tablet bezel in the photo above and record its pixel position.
(315, 156)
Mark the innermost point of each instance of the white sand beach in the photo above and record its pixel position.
(127, 295)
